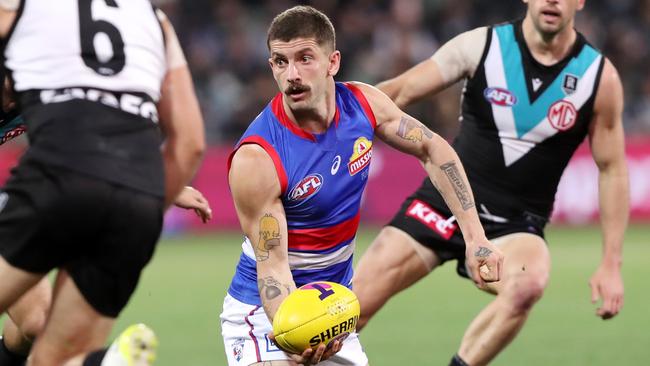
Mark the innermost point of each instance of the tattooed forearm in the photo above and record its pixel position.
(483, 252)
(412, 130)
(460, 187)
(269, 237)
(270, 288)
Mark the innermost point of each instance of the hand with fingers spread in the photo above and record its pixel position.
(313, 356)
(190, 198)
(607, 285)
(484, 261)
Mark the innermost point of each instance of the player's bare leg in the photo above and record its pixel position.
(27, 318)
(15, 282)
(393, 262)
(525, 276)
(74, 327)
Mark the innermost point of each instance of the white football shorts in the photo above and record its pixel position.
(245, 327)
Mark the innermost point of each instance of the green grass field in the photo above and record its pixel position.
(181, 293)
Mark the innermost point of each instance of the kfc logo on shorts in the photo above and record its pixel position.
(431, 218)
(499, 96)
(306, 188)
(562, 115)
(361, 155)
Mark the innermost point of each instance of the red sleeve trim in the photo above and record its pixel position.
(277, 162)
(364, 103)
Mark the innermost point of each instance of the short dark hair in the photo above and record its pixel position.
(302, 22)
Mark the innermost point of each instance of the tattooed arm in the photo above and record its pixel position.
(407, 134)
(256, 192)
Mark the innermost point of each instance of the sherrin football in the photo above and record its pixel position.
(318, 312)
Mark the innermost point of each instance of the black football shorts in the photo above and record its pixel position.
(432, 225)
(101, 233)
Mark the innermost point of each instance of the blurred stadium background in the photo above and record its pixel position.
(225, 42)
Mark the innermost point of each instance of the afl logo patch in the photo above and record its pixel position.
(306, 188)
(562, 115)
(361, 155)
(499, 96)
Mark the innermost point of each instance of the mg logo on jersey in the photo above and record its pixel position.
(306, 188)
(360, 156)
(500, 96)
(431, 218)
(562, 115)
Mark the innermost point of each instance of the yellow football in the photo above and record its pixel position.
(318, 312)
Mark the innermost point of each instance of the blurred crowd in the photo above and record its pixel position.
(225, 43)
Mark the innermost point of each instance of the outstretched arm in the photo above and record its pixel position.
(192, 199)
(256, 192)
(455, 60)
(608, 149)
(446, 172)
(180, 119)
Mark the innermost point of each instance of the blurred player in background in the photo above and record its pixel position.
(297, 176)
(28, 315)
(535, 89)
(88, 195)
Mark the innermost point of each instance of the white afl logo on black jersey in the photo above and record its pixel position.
(114, 45)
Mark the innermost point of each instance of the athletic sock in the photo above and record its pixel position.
(8, 357)
(457, 361)
(95, 358)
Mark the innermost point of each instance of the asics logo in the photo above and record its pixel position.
(336, 164)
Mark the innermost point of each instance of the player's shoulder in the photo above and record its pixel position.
(252, 173)
(610, 87)
(369, 91)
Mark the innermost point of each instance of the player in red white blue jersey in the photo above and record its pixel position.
(297, 176)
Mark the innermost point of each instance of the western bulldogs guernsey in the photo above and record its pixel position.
(522, 121)
(322, 179)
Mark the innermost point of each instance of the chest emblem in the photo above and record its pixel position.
(360, 156)
(570, 84)
(306, 188)
(500, 96)
(562, 115)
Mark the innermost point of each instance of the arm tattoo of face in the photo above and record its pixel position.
(483, 252)
(269, 237)
(456, 179)
(412, 130)
(269, 287)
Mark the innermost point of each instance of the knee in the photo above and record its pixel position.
(524, 291)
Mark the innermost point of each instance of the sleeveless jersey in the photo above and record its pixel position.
(522, 121)
(87, 75)
(322, 178)
(103, 44)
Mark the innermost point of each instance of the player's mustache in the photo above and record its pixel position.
(296, 89)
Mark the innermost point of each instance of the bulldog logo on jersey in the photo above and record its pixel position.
(306, 188)
(360, 156)
(562, 115)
